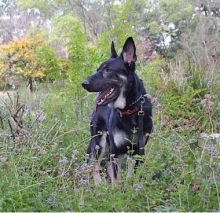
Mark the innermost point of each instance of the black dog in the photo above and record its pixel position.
(122, 119)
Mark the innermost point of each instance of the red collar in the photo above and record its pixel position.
(128, 111)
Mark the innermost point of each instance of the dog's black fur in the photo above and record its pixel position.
(120, 90)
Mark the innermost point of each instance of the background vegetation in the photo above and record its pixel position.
(48, 48)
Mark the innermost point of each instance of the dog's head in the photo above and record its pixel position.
(112, 77)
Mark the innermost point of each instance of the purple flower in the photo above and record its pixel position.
(190, 78)
(210, 82)
(137, 187)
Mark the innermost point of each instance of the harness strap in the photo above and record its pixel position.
(140, 138)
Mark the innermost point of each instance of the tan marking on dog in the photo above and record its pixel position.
(121, 100)
(119, 137)
(96, 172)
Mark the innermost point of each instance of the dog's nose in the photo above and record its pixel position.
(85, 84)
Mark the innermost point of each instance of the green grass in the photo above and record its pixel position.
(39, 170)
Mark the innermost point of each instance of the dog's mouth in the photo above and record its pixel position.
(107, 96)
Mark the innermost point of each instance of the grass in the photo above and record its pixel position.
(41, 167)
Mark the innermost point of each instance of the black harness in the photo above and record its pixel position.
(139, 110)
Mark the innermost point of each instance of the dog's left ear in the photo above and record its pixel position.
(129, 51)
(113, 51)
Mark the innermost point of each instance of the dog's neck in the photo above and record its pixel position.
(129, 96)
(134, 93)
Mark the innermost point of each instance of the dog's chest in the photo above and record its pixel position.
(120, 137)
(123, 133)
(121, 101)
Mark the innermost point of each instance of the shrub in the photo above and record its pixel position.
(29, 59)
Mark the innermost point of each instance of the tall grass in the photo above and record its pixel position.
(42, 167)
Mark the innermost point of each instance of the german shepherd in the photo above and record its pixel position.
(115, 120)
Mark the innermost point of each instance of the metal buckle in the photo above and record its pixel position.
(141, 112)
(142, 100)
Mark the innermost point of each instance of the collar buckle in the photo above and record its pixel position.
(141, 112)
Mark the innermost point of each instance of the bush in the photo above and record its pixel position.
(29, 59)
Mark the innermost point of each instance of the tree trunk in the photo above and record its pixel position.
(30, 84)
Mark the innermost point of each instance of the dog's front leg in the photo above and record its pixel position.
(96, 169)
(115, 168)
(100, 149)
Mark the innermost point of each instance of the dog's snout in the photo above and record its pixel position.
(85, 84)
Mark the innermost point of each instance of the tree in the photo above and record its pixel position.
(29, 59)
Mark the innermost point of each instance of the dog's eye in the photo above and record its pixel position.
(107, 70)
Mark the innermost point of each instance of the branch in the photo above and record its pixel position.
(10, 126)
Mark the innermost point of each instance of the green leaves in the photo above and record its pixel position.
(47, 57)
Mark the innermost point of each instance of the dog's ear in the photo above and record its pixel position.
(113, 51)
(129, 51)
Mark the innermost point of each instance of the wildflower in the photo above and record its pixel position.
(137, 187)
(190, 78)
(64, 160)
(3, 159)
(207, 104)
(210, 83)
(51, 200)
(84, 181)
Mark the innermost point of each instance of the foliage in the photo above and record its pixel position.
(43, 5)
(47, 58)
(30, 59)
(176, 11)
(41, 170)
(84, 59)
(44, 135)
(64, 27)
